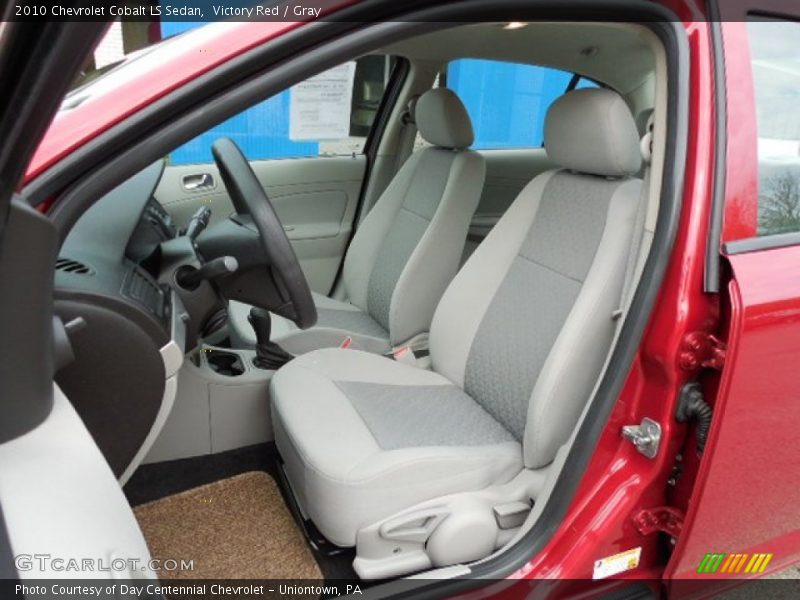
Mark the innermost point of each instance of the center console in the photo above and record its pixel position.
(222, 401)
(222, 404)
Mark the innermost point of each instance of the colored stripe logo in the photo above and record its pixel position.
(721, 562)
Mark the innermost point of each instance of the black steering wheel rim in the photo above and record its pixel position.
(249, 197)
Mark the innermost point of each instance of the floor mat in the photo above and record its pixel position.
(236, 528)
(159, 480)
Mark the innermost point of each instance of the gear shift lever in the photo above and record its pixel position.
(269, 355)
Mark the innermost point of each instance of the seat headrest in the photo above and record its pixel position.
(442, 119)
(592, 131)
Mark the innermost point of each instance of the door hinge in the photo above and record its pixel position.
(646, 436)
(702, 349)
(662, 518)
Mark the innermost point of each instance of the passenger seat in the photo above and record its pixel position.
(406, 251)
(424, 459)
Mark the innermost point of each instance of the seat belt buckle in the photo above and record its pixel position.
(405, 354)
(346, 343)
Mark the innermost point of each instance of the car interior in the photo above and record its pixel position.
(404, 338)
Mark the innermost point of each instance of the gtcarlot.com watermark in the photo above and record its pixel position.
(58, 564)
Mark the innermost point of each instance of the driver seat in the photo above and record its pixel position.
(517, 344)
(407, 249)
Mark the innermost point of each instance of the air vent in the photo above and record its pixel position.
(68, 265)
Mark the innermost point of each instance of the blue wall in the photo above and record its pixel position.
(507, 102)
(261, 131)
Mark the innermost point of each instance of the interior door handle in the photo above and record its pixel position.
(198, 181)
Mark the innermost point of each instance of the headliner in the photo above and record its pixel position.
(617, 55)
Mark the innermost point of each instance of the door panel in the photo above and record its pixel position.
(315, 198)
(748, 489)
(60, 498)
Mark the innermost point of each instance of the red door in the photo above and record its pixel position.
(743, 518)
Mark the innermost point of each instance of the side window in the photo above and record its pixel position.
(329, 114)
(508, 102)
(775, 55)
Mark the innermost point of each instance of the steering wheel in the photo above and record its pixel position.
(249, 197)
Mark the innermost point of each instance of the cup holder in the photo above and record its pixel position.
(225, 363)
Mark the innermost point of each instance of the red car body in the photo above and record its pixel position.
(738, 497)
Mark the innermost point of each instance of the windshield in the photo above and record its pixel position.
(89, 75)
(121, 46)
(143, 76)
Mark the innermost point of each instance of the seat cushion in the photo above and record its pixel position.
(363, 437)
(335, 321)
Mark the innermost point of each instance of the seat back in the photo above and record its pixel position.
(526, 325)
(408, 247)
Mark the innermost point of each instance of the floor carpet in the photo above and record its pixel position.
(158, 480)
(235, 528)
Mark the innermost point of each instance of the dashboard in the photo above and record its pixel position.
(133, 294)
(110, 255)
(127, 327)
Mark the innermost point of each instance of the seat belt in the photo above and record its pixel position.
(409, 132)
(404, 149)
(634, 265)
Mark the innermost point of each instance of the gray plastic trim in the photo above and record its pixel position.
(214, 412)
(172, 355)
(756, 244)
(60, 497)
(26, 322)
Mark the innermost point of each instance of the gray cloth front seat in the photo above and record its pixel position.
(407, 249)
(517, 343)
